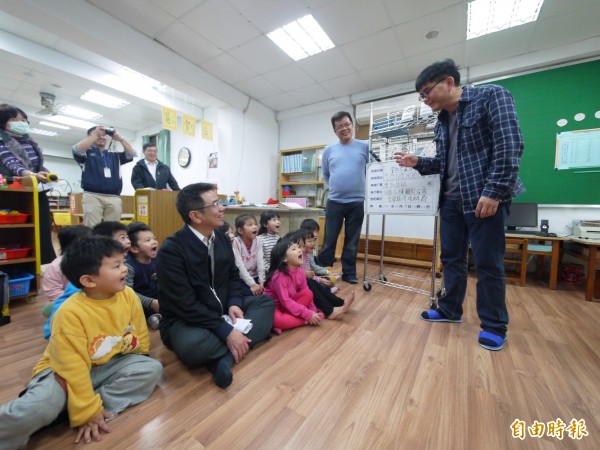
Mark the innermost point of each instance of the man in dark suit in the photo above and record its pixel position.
(151, 173)
(200, 289)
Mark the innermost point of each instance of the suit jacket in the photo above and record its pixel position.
(184, 290)
(142, 178)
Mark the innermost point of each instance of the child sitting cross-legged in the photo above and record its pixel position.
(286, 285)
(141, 263)
(248, 255)
(96, 363)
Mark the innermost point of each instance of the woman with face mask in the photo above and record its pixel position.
(21, 156)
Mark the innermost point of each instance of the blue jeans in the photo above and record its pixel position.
(486, 236)
(335, 215)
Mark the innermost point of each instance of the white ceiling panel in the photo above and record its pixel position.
(418, 62)
(281, 102)
(149, 20)
(569, 27)
(289, 77)
(186, 42)
(268, 15)
(228, 69)
(351, 20)
(327, 65)
(258, 87)
(385, 75)
(557, 7)
(345, 86)
(261, 55)
(411, 35)
(499, 45)
(407, 11)
(221, 24)
(311, 94)
(375, 50)
(179, 7)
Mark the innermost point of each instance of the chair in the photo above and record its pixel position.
(516, 260)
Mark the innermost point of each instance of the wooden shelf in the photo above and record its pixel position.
(6, 262)
(17, 225)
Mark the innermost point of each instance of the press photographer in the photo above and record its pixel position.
(101, 180)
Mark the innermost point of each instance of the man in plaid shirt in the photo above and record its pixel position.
(479, 147)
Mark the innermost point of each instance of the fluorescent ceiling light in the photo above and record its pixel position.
(79, 112)
(489, 16)
(54, 125)
(43, 132)
(104, 99)
(301, 38)
(78, 123)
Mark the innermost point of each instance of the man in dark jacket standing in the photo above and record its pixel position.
(151, 173)
(200, 291)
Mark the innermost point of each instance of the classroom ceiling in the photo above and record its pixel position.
(216, 52)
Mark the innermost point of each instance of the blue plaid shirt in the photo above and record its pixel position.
(489, 146)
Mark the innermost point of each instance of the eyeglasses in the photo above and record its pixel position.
(425, 94)
(343, 125)
(215, 204)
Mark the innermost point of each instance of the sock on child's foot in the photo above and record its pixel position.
(221, 370)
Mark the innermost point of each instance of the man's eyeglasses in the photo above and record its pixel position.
(341, 126)
(425, 94)
(215, 204)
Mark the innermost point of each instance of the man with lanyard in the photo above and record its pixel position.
(478, 152)
(101, 177)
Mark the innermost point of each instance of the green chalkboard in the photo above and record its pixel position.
(542, 98)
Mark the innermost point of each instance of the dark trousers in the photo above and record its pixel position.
(323, 298)
(196, 347)
(336, 215)
(486, 237)
(47, 249)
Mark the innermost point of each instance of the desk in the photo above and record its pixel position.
(554, 253)
(587, 250)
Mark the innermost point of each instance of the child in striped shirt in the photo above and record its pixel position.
(268, 234)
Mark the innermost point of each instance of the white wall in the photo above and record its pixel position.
(247, 147)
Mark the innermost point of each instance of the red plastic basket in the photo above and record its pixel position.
(6, 219)
(14, 252)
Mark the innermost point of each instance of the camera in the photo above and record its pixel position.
(110, 131)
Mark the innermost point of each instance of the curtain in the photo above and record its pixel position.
(164, 146)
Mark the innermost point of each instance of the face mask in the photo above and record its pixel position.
(21, 128)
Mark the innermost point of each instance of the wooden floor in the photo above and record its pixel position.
(381, 378)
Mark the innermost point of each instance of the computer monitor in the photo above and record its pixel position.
(522, 215)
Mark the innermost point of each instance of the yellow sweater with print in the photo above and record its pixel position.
(88, 333)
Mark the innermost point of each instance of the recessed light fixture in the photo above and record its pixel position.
(432, 34)
(301, 38)
(79, 112)
(489, 16)
(54, 125)
(72, 121)
(103, 99)
(43, 132)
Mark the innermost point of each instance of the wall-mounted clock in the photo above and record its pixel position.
(184, 157)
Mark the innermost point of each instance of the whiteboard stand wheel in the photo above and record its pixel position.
(432, 303)
(366, 286)
(383, 278)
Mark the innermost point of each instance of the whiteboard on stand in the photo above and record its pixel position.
(392, 189)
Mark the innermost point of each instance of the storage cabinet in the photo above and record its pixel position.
(301, 177)
(26, 234)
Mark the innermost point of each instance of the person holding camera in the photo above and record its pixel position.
(101, 177)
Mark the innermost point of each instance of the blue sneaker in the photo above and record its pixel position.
(433, 315)
(491, 341)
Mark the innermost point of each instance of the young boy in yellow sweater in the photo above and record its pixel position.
(96, 363)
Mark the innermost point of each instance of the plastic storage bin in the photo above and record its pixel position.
(19, 282)
(6, 219)
(14, 252)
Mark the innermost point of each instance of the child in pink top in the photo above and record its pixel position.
(286, 284)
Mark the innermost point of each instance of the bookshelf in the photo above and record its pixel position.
(300, 174)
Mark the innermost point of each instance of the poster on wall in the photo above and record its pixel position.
(207, 130)
(189, 125)
(169, 118)
(212, 169)
(577, 149)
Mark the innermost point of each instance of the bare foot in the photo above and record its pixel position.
(348, 302)
(337, 312)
